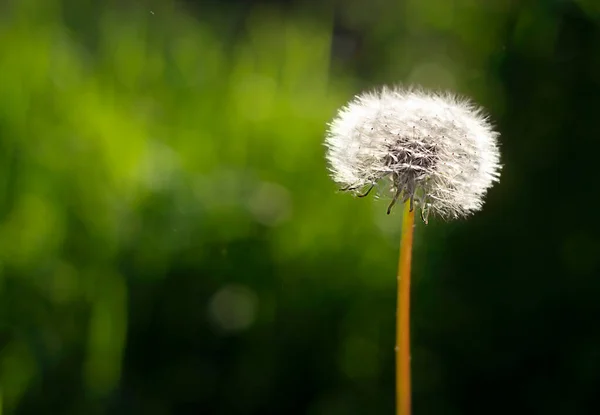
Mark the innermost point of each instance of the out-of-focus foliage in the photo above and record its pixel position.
(170, 242)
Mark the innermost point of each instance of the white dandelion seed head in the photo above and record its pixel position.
(439, 150)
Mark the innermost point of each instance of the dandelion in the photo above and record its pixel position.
(434, 151)
(438, 150)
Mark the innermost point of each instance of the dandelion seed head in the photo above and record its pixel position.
(436, 150)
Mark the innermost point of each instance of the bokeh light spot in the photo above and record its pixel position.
(233, 308)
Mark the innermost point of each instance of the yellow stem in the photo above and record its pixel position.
(403, 387)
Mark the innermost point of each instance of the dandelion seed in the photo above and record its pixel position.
(439, 150)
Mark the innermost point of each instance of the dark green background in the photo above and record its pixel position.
(170, 242)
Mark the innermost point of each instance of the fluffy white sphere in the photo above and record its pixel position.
(439, 150)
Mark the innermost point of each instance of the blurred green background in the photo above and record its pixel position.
(170, 242)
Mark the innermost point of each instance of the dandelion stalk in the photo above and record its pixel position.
(403, 385)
